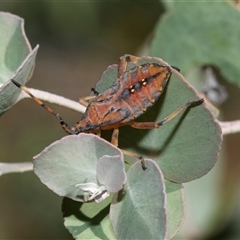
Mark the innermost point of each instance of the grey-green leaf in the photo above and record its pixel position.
(91, 220)
(70, 161)
(9, 93)
(14, 46)
(175, 207)
(111, 172)
(16, 59)
(139, 211)
(88, 220)
(200, 33)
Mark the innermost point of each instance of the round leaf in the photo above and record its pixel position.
(88, 220)
(91, 220)
(175, 207)
(14, 46)
(185, 148)
(9, 93)
(202, 36)
(111, 173)
(71, 161)
(16, 59)
(139, 211)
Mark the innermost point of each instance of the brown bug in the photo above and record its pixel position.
(133, 93)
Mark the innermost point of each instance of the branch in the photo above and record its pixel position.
(44, 96)
(53, 98)
(227, 127)
(230, 127)
(15, 167)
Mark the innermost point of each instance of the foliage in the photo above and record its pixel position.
(201, 37)
(197, 38)
(142, 204)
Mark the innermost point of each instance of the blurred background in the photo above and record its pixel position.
(78, 40)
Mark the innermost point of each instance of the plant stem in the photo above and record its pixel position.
(227, 127)
(230, 127)
(53, 98)
(15, 167)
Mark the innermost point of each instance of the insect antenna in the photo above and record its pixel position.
(66, 127)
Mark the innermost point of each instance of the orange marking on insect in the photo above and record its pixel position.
(133, 92)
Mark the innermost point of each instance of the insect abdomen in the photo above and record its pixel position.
(142, 87)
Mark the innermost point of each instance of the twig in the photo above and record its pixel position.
(230, 127)
(227, 127)
(53, 98)
(15, 167)
(45, 96)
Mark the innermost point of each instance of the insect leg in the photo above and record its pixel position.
(150, 125)
(95, 91)
(66, 127)
(185, 106)
(123, 61)
(114, 141)
(83, 100)
(135, 155)
(98, 133)
(176, 68)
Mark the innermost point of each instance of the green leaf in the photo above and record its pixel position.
(185, 148)
(175, 207)
(71, 161)
(139, 211)
(197, 33)
(9, 93)
(14, 46)
(91, 220)
(16, 59)
(111, 173)
(88, 220)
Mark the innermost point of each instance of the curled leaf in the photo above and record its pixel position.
(111, 173)
(93, 192)
(17, 59)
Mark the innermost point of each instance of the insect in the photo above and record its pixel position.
(132, 94)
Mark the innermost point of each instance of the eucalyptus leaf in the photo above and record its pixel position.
(139, 211)
(111, 173)
(14, 45)
(175, 207)
(88, 220)
(91, 220)
(70, 161)
(17, 59)
(197, 34)
(9, 93)
(185, 148)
